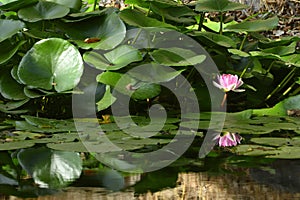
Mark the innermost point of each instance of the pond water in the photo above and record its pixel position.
(45, 159)
(208, 179)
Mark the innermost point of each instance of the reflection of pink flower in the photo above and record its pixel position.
(229, 139)
(229, 82)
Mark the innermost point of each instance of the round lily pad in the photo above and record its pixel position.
(54, 63)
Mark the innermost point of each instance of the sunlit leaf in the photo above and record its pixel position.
(107, 100)
(280, 109)
(54, 63)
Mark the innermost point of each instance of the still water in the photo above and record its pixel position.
(277, 180)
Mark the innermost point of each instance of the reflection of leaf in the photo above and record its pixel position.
(50, 168)
(54, 63)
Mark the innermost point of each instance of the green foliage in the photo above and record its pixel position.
(45, 44)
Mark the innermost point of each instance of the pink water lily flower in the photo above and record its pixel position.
(229, 82)
(229, 139)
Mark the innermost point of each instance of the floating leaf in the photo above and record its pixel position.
(280, 109)
(281, 50)
(271, 141)
(218, 6)
(287, 152)
(254, 26)
(115, 59)
(54, 63)
(107, 100)
(9, 28)
(7, 51)
(43, 10)
(238, 52)
(16, 145)
(178, 13)
(16, 5)
(218, 39)
(73, 4)
(176, 57)
(255, 150)
(108, 29)
(293, 59)
(138, 19)
(9, 87)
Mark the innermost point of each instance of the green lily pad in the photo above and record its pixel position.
(107, 100)
(44, 125)
(138, 19)
(154, 73)
(7, 51)
(280, 109)
(254, 26)
(16, 145)
(16, 5)
(9, 28)
(73, 4)
(43, 10)
(281, 50)
(271, 141)
(218, 39)
(179, 13)
(101, 32)
(238, 52)
(255, 150)
(54, 63)
(9, 87)
(11, 105)
(176, 57)
(120, 81)
(116, 59)
(287, 152)
(218, 6)
(293, 59)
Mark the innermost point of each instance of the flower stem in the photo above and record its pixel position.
(224, 100)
